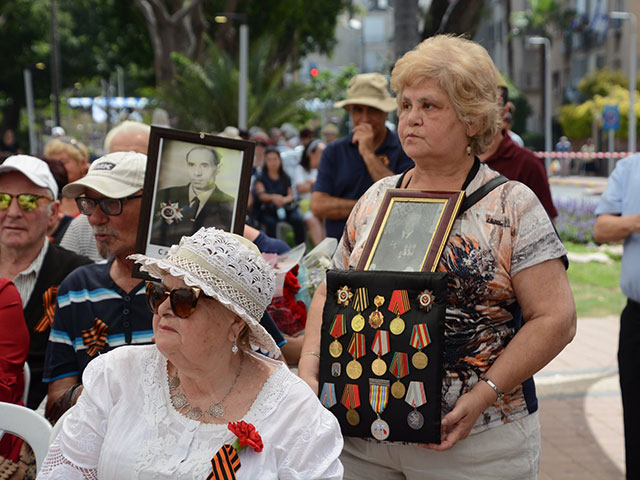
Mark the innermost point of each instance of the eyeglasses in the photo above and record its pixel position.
(183, 300)
(26, 201)
(110, 206)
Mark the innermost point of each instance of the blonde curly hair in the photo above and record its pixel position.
(465, 72)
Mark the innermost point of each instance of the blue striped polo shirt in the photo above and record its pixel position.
(94, 315)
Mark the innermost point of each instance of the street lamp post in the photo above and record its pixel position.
(243, 63)
(632, 75)
(547, 93)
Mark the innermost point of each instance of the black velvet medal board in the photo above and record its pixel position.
(397, 410)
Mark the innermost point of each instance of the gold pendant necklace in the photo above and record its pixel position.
(182, 405)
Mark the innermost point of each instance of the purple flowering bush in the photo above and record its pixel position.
(575, 220)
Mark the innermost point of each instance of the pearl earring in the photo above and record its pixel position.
(234, 349)
(469, 150)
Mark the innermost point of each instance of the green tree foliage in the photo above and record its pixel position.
(600, 82)
(541, 18)
(94, 36)
(328, 86)
(576, 120)
(204, 97)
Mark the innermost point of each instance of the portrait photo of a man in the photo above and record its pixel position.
(202, 202)
(406, 236)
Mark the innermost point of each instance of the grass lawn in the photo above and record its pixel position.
(595, 285)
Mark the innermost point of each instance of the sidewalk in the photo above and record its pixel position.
(580, 408)
(595, 184)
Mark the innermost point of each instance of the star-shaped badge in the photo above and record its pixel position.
(426, 299)
(344, 296)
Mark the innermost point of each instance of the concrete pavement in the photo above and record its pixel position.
(580, 407)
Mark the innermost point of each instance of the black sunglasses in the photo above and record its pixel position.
(110, 206)
(183, 300)
(26, 201)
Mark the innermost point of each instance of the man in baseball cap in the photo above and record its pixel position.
(28, 208)
(350, 165)
(100, 306)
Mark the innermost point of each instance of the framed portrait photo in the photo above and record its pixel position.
(410, 230)
(192, 180)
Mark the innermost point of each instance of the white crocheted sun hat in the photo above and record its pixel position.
(226, 267)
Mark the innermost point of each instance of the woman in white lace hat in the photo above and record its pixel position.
(164, 410)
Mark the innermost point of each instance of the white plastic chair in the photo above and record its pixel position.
(27, 381)
(28, 425)
(58, 426)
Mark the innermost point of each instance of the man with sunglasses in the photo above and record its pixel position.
(28, 208)
(100, 306)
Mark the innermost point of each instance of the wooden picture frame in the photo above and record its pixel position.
(410, 230)
(180, 163)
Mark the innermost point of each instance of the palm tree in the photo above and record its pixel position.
(204, 96)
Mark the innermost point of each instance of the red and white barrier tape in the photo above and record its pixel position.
(584, 154)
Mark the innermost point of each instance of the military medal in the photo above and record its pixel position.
(416, 398)
(420, 338)
(351, 400)
(336, 369)
(360, 304)
(398, 304)
(357, 349)
(344, 295)
(338, 328)
(378, 399)
(328, 395)
(399, 368)
(375, 318)
(426, 299)
(380, 347)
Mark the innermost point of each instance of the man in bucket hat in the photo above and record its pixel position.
(28, 208)
(350, 165)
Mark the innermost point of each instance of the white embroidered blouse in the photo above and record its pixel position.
(124, 426)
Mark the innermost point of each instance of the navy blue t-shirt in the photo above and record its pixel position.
(342, 172)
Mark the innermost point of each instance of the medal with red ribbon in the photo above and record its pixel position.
(420, 338)
(360, 304)
(338, 328)
(380, 347)
(356, 349)
(351, 400)
(399, 368)
(399, 304)
(416, 397)
(378, 399)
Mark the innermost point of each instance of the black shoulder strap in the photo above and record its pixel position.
(481, 192)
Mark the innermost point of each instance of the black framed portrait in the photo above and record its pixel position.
(192, 180)
(410, 230)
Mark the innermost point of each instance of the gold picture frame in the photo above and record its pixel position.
(410, 230)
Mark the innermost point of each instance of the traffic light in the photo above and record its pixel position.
(313, 70)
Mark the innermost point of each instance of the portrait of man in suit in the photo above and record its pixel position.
(182, 210)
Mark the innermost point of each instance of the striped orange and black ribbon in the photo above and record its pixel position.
(95, 338)
(224, 464)
(49, 303)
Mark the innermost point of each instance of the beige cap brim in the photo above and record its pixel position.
(387, 105)
(109, 187)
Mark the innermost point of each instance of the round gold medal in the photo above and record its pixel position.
(397, 389)
(378, 367)
(397, 326)
(376, 319)
(419, 360)
(354, 369)
(335, 348)
(357, 323)
(353, 417)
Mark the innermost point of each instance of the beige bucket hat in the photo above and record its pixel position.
(369, 89)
